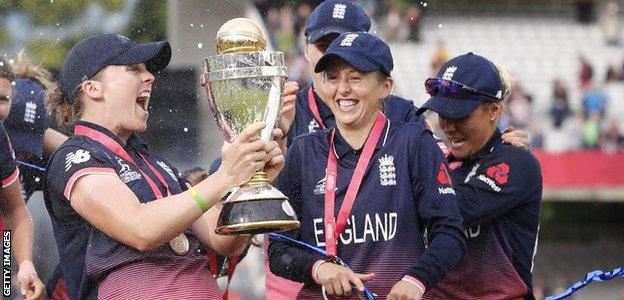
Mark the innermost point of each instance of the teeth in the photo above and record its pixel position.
(144, 94)
(347, 103)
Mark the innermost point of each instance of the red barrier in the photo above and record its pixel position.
(582, 169)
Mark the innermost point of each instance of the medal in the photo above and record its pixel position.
(179, 244)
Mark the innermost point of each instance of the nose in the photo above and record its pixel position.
(343, 86)
(148, 77)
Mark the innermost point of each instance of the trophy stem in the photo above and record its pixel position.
(258, 178)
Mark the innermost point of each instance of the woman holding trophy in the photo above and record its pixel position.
(363, 172)
(123, 223)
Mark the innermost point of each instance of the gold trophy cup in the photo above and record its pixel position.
(244, 85)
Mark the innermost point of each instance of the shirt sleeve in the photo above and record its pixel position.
(287, 260)
(498, 187)
(70, 163)
(8, 167)
(437, 208)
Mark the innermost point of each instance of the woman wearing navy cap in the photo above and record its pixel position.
(499, 187)
(367, 191)
(124, 227)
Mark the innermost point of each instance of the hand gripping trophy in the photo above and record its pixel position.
(244, 85)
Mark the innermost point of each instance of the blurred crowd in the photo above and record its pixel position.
(588, 127)
(285, 22)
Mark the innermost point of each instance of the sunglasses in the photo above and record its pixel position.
(453, 89)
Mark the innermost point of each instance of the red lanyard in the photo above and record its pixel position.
(333, 227)
(114, 146)
(315, 111)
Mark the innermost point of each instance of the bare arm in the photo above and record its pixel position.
(107, 203)
(21, 226)
(52, 139)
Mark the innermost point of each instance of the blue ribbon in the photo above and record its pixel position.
(321, 251)
(590, 277)
(25, 164)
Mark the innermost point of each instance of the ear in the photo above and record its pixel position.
(305, 51)
(92, 89)
(387, 87)
(495, 110)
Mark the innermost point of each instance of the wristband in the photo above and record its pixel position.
(415, 282)
(200, 201)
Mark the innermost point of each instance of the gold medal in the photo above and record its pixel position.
(179, 244)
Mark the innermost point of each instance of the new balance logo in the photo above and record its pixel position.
(348, 39)
(339, 11)
(31, 112)
(77, 157)
(448, 73)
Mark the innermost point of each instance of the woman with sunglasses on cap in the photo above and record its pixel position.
(498, 186)
(124, 227)
(14, 210)
(367, 190)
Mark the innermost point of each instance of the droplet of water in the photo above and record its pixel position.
(185, 129)
(200, 45)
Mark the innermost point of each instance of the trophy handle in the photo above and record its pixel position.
(274, 107)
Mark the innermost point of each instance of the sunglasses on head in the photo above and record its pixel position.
(452, 89)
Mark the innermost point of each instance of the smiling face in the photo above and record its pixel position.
(468, 135)
(6, 92)
(353, 96)
(125, 91)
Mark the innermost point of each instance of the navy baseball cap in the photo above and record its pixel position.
(462, 84)
(362, 50)
(93, 54)
(28, 120)
(336, 16)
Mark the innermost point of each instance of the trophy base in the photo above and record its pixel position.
(256, 208)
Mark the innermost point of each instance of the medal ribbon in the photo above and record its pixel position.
(334, 227)
(114, 146)
(315, 111)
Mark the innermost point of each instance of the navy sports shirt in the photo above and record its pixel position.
(499, 192)
(8, 168)
(402, 193)
(397, 110)
(88, 257)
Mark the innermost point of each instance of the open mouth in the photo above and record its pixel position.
(346, 104)
(143, 100)
(457, 142)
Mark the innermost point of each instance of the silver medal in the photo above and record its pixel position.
(179, 244)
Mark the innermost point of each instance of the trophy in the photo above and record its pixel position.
(244, 85)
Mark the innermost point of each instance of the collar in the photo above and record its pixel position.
(134, 141)
(489, 147)
(342, 147)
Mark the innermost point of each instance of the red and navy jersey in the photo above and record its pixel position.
(397, 110)
(8, 168)
(401, 195)
(91, 261)
(499, 192)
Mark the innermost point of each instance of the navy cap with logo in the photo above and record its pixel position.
(364, 51)
(28, 119)
(92, 55)
(462, 84)
(336, 16)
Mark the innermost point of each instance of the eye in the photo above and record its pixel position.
(132, 67)
(5, 98)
